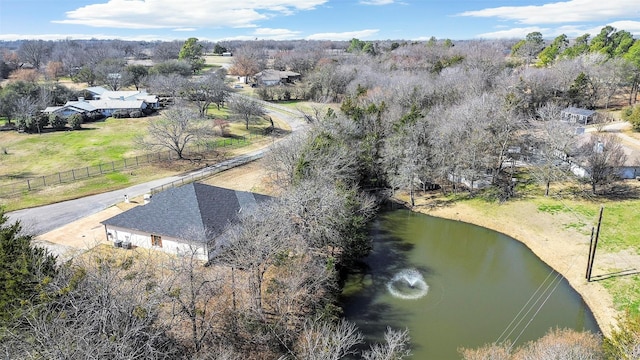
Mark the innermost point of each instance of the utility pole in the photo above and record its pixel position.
(592, 249)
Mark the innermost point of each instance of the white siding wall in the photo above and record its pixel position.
(169, 245)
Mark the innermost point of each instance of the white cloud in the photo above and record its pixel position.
(377, 2)
(515, 33)
(159, 14)
(570, 30)
(562, 12)
(276, 34)
(185, 29)
(53, 37)
(348, 35)
(631, 26)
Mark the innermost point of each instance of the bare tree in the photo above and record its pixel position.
(320, 340)
(246, 108)
(283, 159)
(210, 89)
(167, 51)
(166, 85)
(248, 61)
(253, 245)
(298, 286)
(407, 158)
(563, 344)
(488, 352)
(25, 113)
(34, 52)
(602, 156)
(552, 140)
(194, 292)
(102, 308)
(610, 77)
(396, 347)
(112, 73)
(178, 127)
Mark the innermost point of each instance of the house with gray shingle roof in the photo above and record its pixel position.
(183, 219)
(578, 115)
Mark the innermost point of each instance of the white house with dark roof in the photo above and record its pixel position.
(578, 115)
(184, 219)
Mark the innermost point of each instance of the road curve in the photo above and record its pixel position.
(42, 219)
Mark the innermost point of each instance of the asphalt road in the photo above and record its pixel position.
(40, 220)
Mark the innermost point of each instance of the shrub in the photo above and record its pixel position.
(632, 115)
(136, 114)
(57, 122)
(94, 117)
(75, 121)
(120, 114)
(624, 343)
(556, 344)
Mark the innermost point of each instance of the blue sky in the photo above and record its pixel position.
(216, 20)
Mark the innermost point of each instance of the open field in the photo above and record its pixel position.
(102, 142)
(29, 155)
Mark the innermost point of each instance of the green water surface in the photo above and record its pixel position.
(483, 287)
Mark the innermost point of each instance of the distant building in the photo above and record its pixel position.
(106, 102)
(271, 77)
(578, 115)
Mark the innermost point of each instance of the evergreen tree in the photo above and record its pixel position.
(192, 52)
(24, 268)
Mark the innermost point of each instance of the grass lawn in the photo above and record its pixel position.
(30, 155)
(91, 186)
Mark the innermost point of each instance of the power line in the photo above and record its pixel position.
(537, 297)
(521, 310)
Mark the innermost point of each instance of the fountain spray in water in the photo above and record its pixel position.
(408, 284)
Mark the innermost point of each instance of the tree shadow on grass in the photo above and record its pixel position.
(17, 176)
(622, 191)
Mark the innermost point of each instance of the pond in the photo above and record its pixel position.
(456, 285)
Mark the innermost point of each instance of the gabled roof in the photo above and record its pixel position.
(120, 95)
(117, 104)
(98, 105)
(578, 111)
(98, 90)
(101, 93)
(85, 105)
(275, 75)
(180, 211)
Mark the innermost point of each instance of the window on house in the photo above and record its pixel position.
(156, 240)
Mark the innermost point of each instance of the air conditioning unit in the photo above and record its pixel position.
(126, 245)
(117, 243)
